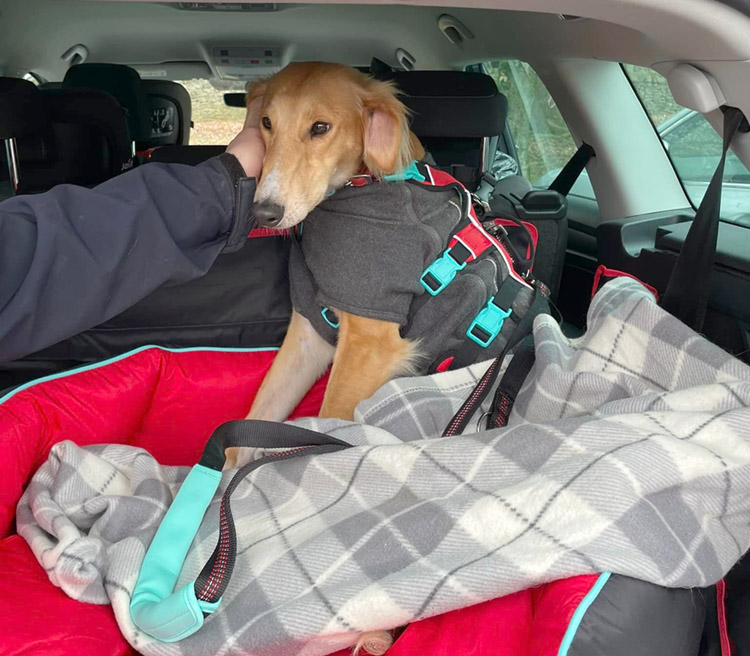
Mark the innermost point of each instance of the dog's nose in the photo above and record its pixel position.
(268, 214)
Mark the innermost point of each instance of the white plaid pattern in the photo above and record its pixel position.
(628, 451)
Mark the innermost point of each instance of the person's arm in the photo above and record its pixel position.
(72, 258)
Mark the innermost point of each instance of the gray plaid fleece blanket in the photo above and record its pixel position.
(628, 451)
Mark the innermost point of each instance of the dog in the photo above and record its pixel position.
(322, 124)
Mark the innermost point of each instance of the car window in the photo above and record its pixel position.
(542, 139)
(214, 124)
(691, 142)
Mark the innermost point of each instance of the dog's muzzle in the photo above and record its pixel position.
(268, 215)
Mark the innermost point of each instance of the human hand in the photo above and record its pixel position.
(248, 148)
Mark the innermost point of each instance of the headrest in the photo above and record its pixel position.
(171, 112)
(124, 84)
(22, 111)
(451, 103)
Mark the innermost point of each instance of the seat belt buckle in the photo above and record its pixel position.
(440, 273)
(487, 324)
(330, 318)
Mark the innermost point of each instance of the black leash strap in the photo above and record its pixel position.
(565, 180)
(511, 383)
(507, 390)
(521, 334)
(689, 287)
(214, 577)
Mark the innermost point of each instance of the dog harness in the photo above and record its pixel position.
(411, 249)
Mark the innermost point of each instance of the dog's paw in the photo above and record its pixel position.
(374, 643)
(232, 460)
(237, 456)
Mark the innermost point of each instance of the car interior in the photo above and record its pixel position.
(598, 122)
(91, 89)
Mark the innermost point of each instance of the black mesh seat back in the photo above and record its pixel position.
(170, 114)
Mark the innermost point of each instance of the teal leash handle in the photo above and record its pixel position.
(155, 607)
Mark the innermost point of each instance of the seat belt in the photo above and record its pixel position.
(563, 183)
(689, 287)
(565, 180)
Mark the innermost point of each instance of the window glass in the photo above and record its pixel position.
(691, 142)
(214, 124)
(542, 139)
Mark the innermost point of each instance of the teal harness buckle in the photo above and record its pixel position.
(440, 273)
(330, 318)
(487, 324)
(411, 172)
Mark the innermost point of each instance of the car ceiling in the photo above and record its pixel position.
(34, 33)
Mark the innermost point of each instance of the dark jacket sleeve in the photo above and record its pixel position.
(72, 258)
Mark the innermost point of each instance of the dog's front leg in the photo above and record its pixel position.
(303, 357)
(369, 352)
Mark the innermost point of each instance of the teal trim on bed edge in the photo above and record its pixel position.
(122, 356)
(575, 621)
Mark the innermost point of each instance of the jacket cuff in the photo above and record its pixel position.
(243, 189)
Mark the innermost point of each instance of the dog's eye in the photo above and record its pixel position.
(266, 122)
(319, 128)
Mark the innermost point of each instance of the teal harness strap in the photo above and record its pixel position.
(155, 609)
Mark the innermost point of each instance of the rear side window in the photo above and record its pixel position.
(542, 139)
(692, 143)
(214, 124)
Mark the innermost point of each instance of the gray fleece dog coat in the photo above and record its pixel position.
(412, 252)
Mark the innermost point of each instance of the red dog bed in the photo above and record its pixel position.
(168, 403)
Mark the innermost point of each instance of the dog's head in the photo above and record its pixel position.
(321, 123)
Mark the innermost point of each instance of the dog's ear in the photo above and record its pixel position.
(254, 101)
(389, 145)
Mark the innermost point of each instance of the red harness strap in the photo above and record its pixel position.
(472, 236)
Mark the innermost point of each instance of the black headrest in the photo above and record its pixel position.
(171, 112)
(22, 110)
(451, 103)
(124, 84)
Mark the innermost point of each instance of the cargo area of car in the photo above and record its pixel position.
(600, 123)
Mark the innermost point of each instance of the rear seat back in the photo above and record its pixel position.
(179, 154)
(455, 114)
(59, 135)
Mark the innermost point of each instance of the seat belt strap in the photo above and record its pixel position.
(689, 286)
(565, 180)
